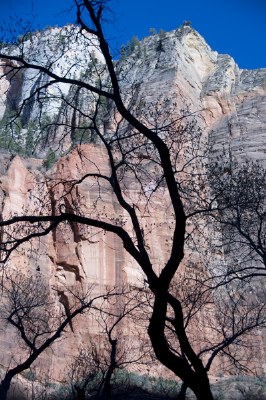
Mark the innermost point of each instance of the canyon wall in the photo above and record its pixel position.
(230, 105)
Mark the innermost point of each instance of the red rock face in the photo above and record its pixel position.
(231, 107)
(75, 257)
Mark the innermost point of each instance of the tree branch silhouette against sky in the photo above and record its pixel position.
(234, 27)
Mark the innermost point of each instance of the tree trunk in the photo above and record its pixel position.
(107, 382)
(189, 368)
(182, 394)
(202, 390)
(200, 386)
(4, 387)
(80, 393)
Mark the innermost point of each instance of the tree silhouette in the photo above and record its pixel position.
(148, 149)
(27, 306)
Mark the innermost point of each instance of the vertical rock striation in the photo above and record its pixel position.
(230, 105)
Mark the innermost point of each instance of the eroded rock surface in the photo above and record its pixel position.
(231, 105)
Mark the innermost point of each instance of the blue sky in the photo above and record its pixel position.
(235, 27)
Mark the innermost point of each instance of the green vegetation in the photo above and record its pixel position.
(153, 31)
(16, 139)
(24, 37)
(24, 140)
(131, 47)
(186, 23)
(10, 135)
(130, 385)
(50, 159)
(138, 48)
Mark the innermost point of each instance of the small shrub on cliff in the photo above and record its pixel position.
(50, 159)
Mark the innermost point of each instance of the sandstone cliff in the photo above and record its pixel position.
(179, 65)
(230, 105)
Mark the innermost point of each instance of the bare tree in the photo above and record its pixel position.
(228, 318)
(239, 190)
(152, 152)
(27, 307)
(107, 354)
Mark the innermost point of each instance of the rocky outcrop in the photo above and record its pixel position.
(178, 65)
(230, 105)
(231, 101)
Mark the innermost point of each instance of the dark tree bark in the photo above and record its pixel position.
(182, 394)
(107, 389)
(80, 393)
